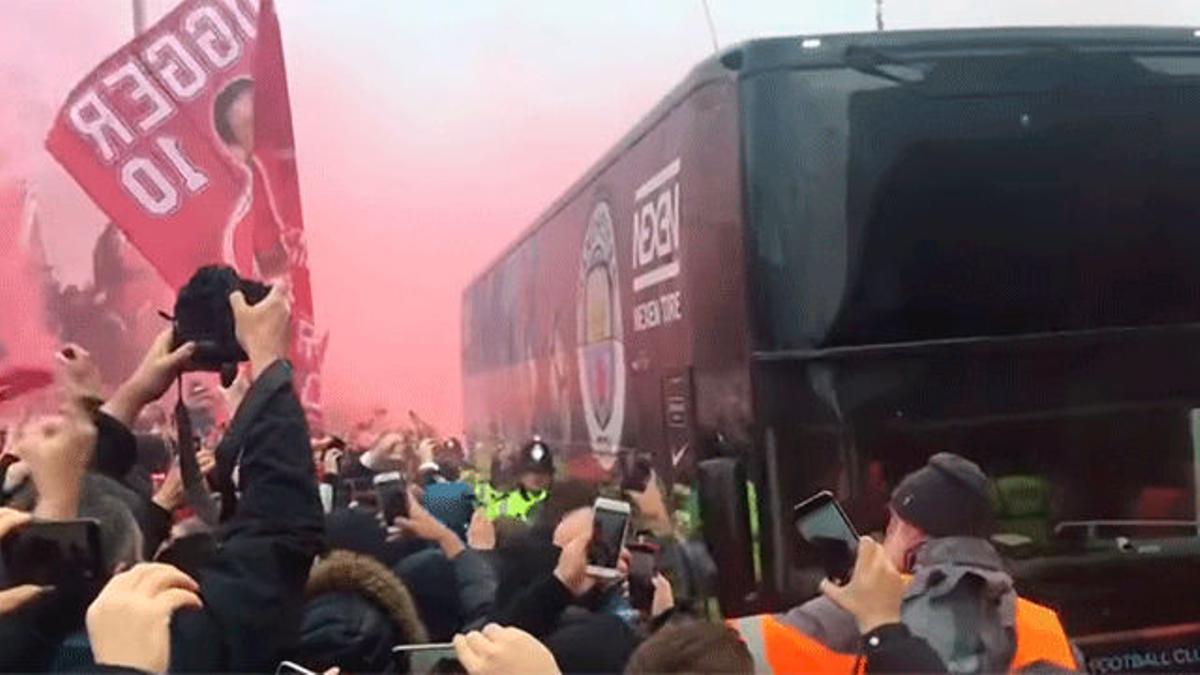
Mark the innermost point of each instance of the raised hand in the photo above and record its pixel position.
(421, 524)
(129, 622)
(572, 566)
(158, 370)
(875, 590)
(263, 329)
(481, 533)
(499, 651)
(58, 450)
(79, 376)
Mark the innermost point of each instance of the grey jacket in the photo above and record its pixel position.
(960, 601)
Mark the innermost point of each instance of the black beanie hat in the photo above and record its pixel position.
(948, 497)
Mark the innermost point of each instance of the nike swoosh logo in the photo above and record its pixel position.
(676, 456)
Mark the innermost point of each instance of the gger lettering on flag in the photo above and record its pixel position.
(164, 137)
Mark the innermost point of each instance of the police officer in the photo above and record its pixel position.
(534, 472)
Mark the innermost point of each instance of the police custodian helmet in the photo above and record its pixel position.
(537, 457)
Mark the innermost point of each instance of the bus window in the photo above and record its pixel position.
(1130, 469)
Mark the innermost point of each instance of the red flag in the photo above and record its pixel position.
(16, 382)
(152, 135)
(278, 237)
(184, 138)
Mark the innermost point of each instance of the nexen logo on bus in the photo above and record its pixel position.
(656, 247)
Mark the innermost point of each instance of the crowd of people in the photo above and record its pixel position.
(272, 550)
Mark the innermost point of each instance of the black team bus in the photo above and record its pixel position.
(826, 258)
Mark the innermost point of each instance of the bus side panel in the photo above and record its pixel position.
(573, 335)
(716, 283)
(687, 348)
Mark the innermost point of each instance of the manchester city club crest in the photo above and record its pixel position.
(600, 335)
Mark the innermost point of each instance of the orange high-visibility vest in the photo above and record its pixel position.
(780, 648)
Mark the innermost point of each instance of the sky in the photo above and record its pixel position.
(430, 133)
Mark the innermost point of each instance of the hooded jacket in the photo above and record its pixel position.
(357, 610)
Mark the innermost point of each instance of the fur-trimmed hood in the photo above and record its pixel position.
(346, 572)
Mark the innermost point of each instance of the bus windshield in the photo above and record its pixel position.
(904, 202)
(994, 195)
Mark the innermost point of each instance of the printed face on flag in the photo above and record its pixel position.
(163, 136)
(160, 135)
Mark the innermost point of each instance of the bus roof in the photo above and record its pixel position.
(748, 58)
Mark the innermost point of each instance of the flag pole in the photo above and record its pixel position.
(712, 29)
(139, 17)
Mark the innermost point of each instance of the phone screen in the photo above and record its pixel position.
(325, 492)
(608, 536)
(393, 498)
(823, 524)
(643, 565)
(54, 553)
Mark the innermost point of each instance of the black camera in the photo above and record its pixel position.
(203, 316)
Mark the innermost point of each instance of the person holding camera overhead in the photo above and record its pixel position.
(240, 608)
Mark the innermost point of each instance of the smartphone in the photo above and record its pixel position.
(824, 526)
(325, 491)
(362, 494)
(54, 553)
(290, 668)
(643, 565)
(610, 523)
(438, 657)
(392, 496)
(431, 647)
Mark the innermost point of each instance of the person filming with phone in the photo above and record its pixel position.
(953, 609)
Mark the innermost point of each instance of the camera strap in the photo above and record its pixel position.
(195, 494)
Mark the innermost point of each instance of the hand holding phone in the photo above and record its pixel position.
(610, 524)
(392, 495)
(54, 553)
(643, 567)
(875, 590)
(825, 527)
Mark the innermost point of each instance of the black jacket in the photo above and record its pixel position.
(357, 611)
(892, 649)
(253, 591)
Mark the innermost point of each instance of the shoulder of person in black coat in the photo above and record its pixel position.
(116, 447)
(430, 577)
(30, 635)
(477, 584)
(891, 648)
(591, 642)
(253, 591)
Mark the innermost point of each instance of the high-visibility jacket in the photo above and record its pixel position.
(486, 495)
(780, 648)
(516, 503)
